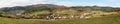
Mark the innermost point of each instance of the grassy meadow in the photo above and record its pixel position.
(104, 20)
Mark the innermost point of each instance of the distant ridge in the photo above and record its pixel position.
(7, 9)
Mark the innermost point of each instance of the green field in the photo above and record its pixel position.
(14, 21)
(103, 20)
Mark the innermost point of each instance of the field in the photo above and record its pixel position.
(14, 21)
(103, 20)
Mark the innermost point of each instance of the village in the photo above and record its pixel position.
(72, 14)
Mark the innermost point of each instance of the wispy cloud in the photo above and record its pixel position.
(9, 3)
(113, 0)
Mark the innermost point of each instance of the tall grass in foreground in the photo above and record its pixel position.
(106, 20)
(14, 21)
(103, 20)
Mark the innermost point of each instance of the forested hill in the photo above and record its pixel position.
(41, 11)
(96, 8)
(8, 9)
(58, 7)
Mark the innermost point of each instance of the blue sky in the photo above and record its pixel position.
(11, 3)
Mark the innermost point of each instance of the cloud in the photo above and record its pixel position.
(113, 0)
(65, 3)
(69, 3)
(80, 3)
(10, 3)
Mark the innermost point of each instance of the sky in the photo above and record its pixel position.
(11, 3)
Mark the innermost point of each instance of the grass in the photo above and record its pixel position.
(107, 20)
(103, 20)
(14, 21)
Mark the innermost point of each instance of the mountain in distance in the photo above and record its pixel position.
(8, 9)
(43, 10)
(19, 9)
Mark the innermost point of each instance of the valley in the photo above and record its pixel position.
(55, 14)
